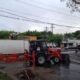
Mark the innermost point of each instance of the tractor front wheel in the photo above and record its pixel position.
(55, 59)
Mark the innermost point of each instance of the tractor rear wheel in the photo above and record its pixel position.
(41, 59)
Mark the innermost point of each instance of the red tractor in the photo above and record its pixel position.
(43, 53)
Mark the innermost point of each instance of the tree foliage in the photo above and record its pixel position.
(57, 38)
(75, 35)
(41, 35)
(5, 34)
(69, 36)
(74, 5)
(44, 35)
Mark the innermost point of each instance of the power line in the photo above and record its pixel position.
(38, 2)
(33, 20)
(17, 18)
(37, 21)
(51, 10)
(9, 17)
(14, 14)
(24, 17)
(28, 19)
(30, 15)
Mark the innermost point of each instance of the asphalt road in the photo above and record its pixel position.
(66, 72)
(56, 72)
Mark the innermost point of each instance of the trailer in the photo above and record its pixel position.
(13, 46)
(11, 50)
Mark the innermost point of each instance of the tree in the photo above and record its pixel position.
(4, 34)
(68, 36)
(57, 38)
(74, 5)
(77, 34)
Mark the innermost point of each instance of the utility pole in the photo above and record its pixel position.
(46, 28)
(52, 28)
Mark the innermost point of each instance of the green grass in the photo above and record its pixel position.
(4, 77)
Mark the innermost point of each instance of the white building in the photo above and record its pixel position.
(71, 43)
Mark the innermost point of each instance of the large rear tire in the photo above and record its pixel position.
(41, 59)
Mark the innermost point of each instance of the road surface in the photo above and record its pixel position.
(56, 72)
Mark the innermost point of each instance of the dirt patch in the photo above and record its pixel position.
(27, 75)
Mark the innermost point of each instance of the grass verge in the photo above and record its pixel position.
(4, 76)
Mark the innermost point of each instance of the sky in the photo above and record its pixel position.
(49, 11)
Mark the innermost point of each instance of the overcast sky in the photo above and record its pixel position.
(51, 11)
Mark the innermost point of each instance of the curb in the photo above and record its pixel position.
(75, 61)
(68, 52)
